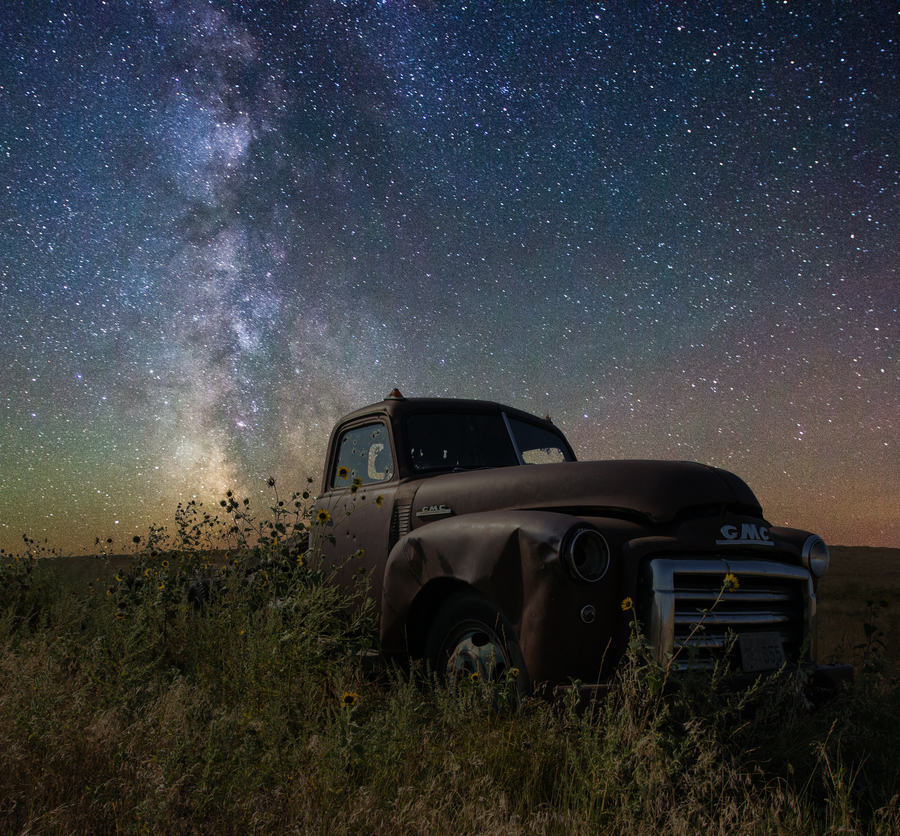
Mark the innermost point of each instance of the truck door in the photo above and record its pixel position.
(359, 496)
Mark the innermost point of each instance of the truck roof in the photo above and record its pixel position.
(395, 406)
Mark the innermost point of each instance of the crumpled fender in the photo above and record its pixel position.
(507, 555)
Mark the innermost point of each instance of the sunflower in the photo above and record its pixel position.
(730, 584)
(379, 500)
(349, 699)
(627, 604)
(323, 517)
(343, 472)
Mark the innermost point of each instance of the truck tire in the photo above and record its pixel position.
(471, 638)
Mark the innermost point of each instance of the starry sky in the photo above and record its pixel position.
(223, 225)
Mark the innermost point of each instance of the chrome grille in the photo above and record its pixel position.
(770, 597)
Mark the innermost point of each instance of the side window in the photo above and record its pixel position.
(537, 444)
(365, 452)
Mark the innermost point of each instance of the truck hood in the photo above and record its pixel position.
(654, 490)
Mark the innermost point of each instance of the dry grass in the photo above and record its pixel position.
(859, 574)
(164, 720)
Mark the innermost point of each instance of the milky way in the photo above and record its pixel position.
(224, 225)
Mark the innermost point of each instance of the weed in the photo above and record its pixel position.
(124, 709)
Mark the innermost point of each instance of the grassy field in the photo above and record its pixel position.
(858, 575)
(123, 711)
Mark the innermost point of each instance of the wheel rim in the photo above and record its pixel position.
(474, 649)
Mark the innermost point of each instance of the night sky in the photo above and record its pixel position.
(224, 225)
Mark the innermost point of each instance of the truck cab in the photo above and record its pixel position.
(489, 549)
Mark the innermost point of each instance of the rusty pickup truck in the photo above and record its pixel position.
(490, 550)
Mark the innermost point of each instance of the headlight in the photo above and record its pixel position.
(586, 554)
(815, 555)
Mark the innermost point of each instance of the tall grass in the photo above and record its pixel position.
(122, 709)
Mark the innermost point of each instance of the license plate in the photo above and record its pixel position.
(761, 651)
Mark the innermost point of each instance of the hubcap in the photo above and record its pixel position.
(474, 652)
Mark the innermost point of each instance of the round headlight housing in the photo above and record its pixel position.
(586, 554)
(816, 556)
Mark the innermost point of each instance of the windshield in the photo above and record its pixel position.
(458, 440)
(444, 441)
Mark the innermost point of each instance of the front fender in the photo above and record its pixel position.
(507, 555)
